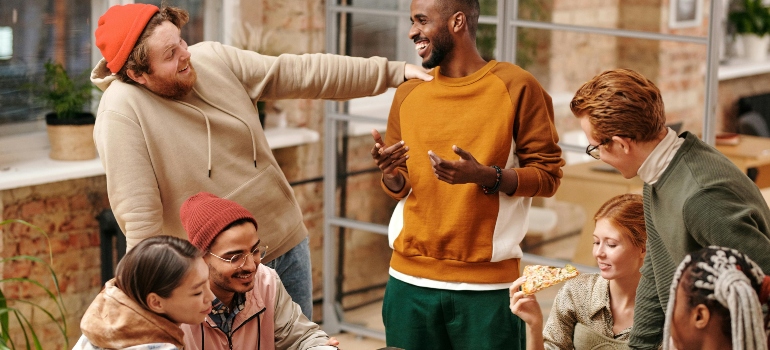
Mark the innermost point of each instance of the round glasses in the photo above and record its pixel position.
(593, 151)
(238, 260)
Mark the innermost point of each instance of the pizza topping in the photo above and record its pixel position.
(540, 277)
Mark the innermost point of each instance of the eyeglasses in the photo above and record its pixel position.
(593, 151)
(238, 260)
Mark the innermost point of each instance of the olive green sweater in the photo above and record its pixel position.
(701, 199)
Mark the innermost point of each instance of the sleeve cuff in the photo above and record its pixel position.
(396, 73)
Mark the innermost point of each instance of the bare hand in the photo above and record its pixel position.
(411, 72)
(525, 306)
(388, 159)
(333, 342)
(462, 171)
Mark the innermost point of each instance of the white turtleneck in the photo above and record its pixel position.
(658, 160)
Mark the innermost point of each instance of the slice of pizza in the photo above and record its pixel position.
(540, 277)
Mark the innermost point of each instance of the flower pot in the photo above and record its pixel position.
(755, 47)
(71, 139)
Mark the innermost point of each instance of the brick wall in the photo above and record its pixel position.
(729, 93)
(66, 211)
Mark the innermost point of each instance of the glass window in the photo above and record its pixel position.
(646, 16)
(34, 32)
(372, 35)
(562, 61)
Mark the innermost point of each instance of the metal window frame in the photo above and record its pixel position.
(507, 13)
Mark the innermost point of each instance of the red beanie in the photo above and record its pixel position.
(119, 29)
(204, 216)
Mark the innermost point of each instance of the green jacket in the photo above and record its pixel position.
(701, 199)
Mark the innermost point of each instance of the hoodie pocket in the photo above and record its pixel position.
(270, 199)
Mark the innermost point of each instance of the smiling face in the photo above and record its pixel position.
(171, 73)
(430, 33)
(190, 302)
(614, 252)
(225, 279)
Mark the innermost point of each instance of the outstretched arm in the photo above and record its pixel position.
(314, 76)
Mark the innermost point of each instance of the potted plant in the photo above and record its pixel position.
(752, 23)
(70, 126)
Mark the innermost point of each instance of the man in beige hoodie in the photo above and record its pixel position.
(175, 120)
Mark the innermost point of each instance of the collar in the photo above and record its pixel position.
(660, 157)
(600, 297)
(466, 80)
(223, 316)
(218, 307)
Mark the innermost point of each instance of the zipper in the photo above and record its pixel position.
(230, 339)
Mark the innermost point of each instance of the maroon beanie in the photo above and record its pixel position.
(204, 216)
(119, 29)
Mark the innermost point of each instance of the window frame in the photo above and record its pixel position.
(216, 14)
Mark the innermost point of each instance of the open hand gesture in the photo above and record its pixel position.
(388, 159)
(461, 171)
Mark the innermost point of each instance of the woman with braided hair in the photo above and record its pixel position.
(715, 302)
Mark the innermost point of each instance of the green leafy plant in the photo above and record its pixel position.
(753, 18)
(67, 96)
(8, 311)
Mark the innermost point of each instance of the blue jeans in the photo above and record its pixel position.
(295, 272)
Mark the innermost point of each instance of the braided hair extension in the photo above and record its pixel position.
(728, 283)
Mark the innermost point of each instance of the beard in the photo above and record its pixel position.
(442, 46)
(176, 88)
(230, 282)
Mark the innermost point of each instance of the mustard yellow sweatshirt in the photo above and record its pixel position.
(456, 233)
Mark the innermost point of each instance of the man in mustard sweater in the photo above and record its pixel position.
(176, 120)
(694, 196)
(464, 154)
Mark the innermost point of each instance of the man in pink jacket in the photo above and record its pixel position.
(252, 309)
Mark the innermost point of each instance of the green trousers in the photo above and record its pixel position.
(418, 318)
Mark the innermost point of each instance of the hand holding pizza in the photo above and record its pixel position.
(525, 305)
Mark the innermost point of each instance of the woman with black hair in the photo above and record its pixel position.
(160, 284)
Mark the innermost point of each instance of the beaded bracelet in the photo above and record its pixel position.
(496, 187)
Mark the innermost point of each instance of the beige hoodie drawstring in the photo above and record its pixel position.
(208, 129)
(208, 138)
